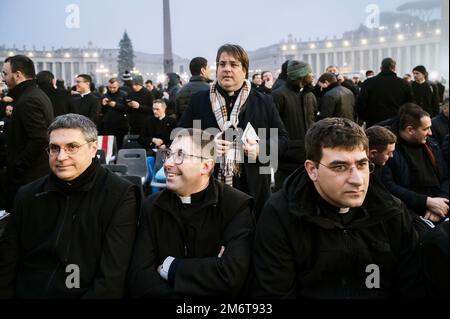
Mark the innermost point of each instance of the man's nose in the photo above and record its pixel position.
(62, 155)
(356, 176)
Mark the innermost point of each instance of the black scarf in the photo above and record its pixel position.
(81, 183)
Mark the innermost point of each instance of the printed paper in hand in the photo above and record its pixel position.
(249, 132)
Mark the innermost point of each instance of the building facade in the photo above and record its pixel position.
(361, 50)
(101, 64)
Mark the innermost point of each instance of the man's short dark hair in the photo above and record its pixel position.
(410, 114)
(149, 81)
(264, 72)
(44, 78)
(23, 64)
(330, 77)
(369, 72)
(380, 137)
(334, 132)
(60, 84)
(255, 75)
(197, 64)
(388, 64)
(113, 80)
(86, 77)
(237, 52)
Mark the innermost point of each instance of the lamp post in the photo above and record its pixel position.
(101, 73)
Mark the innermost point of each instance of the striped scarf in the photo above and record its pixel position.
(230, 163)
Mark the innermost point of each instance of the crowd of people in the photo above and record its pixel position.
(307, 186)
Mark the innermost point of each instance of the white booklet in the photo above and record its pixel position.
(249, 132)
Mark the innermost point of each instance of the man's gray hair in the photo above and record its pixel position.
(75, 121)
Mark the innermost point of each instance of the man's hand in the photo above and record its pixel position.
(251, 149)
(432, 216)
(157, 141)
(133, 104)
(221, 146)
(112, 103)
(7, 99)
(438, 206)
(105, 101)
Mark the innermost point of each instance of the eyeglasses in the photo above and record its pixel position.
(80, 81)
(346, 169)
(178, 156)
(69, 149)
(233, 65)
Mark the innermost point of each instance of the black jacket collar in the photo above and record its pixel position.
(17, 92)
(301, 195)
(199, 78)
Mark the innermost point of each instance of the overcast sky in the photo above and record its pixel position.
(199, 27)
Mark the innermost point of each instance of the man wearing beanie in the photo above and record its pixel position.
(139, 103)
(426, 93)
(297, 106)
(126, 79)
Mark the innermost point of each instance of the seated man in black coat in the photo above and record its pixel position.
(71, 233)
(156, 132)
(417, 173)
(329, 233)
(195, 236)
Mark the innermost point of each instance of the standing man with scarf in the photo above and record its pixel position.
(232, 104)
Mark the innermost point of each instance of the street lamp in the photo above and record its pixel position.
(102, 72)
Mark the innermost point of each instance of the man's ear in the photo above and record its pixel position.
(94, 147)
(409, 130)
(372, 154)
(311, 169)
(207, 167)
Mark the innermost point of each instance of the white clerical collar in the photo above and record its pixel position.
(344, 210)
(185, 199)
(84, 94)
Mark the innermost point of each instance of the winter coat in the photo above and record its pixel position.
(223, 217)
(337, 101)
(426, 95)
(381, 97)
(90, 224)
(61, 100)
(156, 128)
(399, 175)
(138, 117)
(196, 84)
(27, 159)
(301, 252)
(260, 111)
(439, 128)
(114, 118)
(87, 105)
(294, 113)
